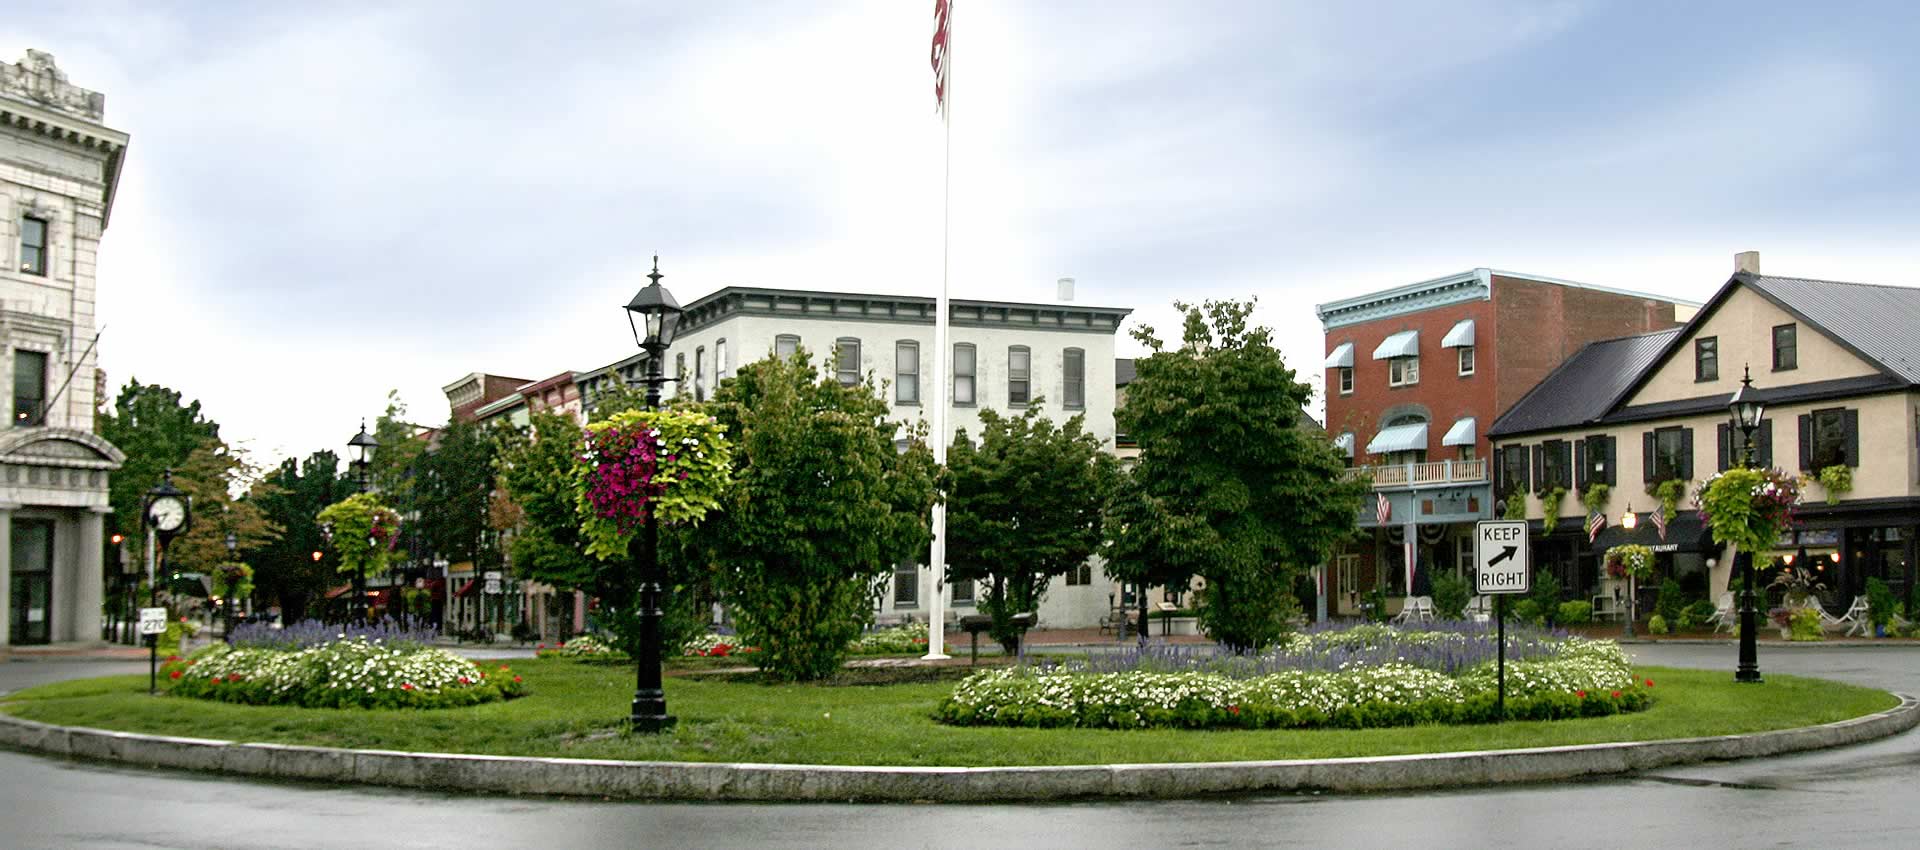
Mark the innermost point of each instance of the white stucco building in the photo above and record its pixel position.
(1004, 356)
(58, 167)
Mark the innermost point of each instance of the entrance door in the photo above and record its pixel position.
(32, 581)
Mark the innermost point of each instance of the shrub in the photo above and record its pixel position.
(1376, 601)
(1657, 625)
(1528, 611)
(1575, 613)
(1450, 596)
(1696, 615)
(1546, 595)
(352, 673)
(1805, 625)
(1671, 601)
(1881, 603)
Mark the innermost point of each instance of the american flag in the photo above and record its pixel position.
(942, 9)
(1595, 522)
(1659, 517)
(1382, 509)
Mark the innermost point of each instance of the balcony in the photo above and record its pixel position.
(1437, 473)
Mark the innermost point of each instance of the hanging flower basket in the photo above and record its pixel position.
(1750, 508)
(365, 532)
(1630, 559)
(676, 462)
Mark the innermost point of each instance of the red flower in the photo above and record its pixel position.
(719, 651)
(538, 646)
(516, 678)
(406, 686)
(1233, 710)
(173, 658)
(503, 668)
(175, 674)
(1580, 694)
(465, 681)
(1649, 683)
(1616, 694)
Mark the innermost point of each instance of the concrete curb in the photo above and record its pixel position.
(794, 782)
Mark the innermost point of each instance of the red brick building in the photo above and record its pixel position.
(1414, 377)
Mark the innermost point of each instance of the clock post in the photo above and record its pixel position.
(168, 514)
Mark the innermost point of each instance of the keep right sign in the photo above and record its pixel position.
(1500, 555)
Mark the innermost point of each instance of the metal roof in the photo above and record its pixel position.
(1877, 322)
(1586, 386)
(1342, 356)
(1399, 438)
(1402, 344)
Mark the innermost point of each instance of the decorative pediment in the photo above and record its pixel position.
(62, 447)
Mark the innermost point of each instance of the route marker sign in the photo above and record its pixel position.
(1501, 558)
(153, 621)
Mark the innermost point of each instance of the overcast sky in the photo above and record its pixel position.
(323, 202)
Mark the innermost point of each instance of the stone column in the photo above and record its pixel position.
(89, 586)
(6, 574)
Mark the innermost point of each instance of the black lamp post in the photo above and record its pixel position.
(360, 458)
(1746, 412)
(658, 314)
(231, 575)
(326, 542)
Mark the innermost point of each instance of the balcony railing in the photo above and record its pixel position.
(1394, 476)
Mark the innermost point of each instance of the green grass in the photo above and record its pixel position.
(576, 711)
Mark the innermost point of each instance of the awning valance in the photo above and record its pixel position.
(1341, 356)
(1399, 438)
(1344, 443)
(1461, 335)
(1462, 433)
(1402, 344)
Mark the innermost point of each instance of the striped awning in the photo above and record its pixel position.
(1402, 344)
(1342, 356)
(1461, 434)
(1344, 443)
(1399, 438)
(1461, 335)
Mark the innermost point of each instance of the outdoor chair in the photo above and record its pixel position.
(1604, 609)
(1725, 616)
(1856, 618)
(1415, 608)
(1480, 609)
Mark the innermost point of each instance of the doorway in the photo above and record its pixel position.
(32, 582)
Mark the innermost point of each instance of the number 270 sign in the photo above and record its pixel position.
(1500, 556)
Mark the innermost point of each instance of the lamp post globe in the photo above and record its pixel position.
(1745, 412)
(653, 315)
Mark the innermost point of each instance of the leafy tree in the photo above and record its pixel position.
(295, 492)
(535, 469)
(210, 475)
(1024, 507)
(453, 490)
(1229, 486)
(823, 505)
(157, 431)
(395, 464)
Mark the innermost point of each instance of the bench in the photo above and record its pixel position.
(974, 624)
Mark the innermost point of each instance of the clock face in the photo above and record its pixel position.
(167, 513)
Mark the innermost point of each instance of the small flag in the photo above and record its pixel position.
(1659, 518)
(1382, 509)
(1594, 523)
(942, 9)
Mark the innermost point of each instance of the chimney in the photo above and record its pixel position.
(1747, 261)
(1066, 289)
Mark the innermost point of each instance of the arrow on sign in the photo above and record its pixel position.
(1505, 553)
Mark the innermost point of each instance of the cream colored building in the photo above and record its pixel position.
(1838, 366)
(59, 165)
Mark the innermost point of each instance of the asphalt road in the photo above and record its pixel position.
(1855, 797)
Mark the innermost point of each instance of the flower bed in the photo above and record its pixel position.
(1368, 676)
(350, 673)
(586, 647)
(896, 640)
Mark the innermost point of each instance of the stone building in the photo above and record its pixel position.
(59, 165)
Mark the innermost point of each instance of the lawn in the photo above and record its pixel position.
(576, 710)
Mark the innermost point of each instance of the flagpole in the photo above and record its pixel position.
(937, 569)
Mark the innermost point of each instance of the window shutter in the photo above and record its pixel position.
(1566, 464)
(1763, 444)
(1646, 455)
(1539, 475)
(1686, 454)
(1580, 464)
(1612, 460)
(1723, 430)
(1806, 442)
(1853, 437)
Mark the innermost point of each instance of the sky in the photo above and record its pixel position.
(323, 203)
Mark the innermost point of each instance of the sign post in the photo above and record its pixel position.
(153, 623)
(1502, 568)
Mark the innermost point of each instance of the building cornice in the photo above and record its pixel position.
(896, 309)
(69, 130)
(1474, 285)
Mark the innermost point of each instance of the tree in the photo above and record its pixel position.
(452, 490)
(822, 506)
(157, 431)
(1024, 506)
(285, 569)
(1229, 487)
(535, 469)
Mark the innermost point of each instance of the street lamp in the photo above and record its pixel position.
(326, 542)
(1746, 412)
(653, 314)
(231, 575)
(360, 457)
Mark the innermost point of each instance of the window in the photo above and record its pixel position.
(1073, 365)
(1706, 358)
(1403, 371)
(1080, 575)
(700, 374)
(906, 586)
(679, 371)
(1556, 465)
(1346, 572)
(33, 245)
(1513, 469)
(963, 592)
(785, 345)
(29, 386)
(846, 357)
(1671, 454)
(963, 372)
(1466, 360)
(1466, 453)
(1827, 444)
(719, 362)
(1019, 365)
(1346, 380)
(906, 372)
(1786, 348)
